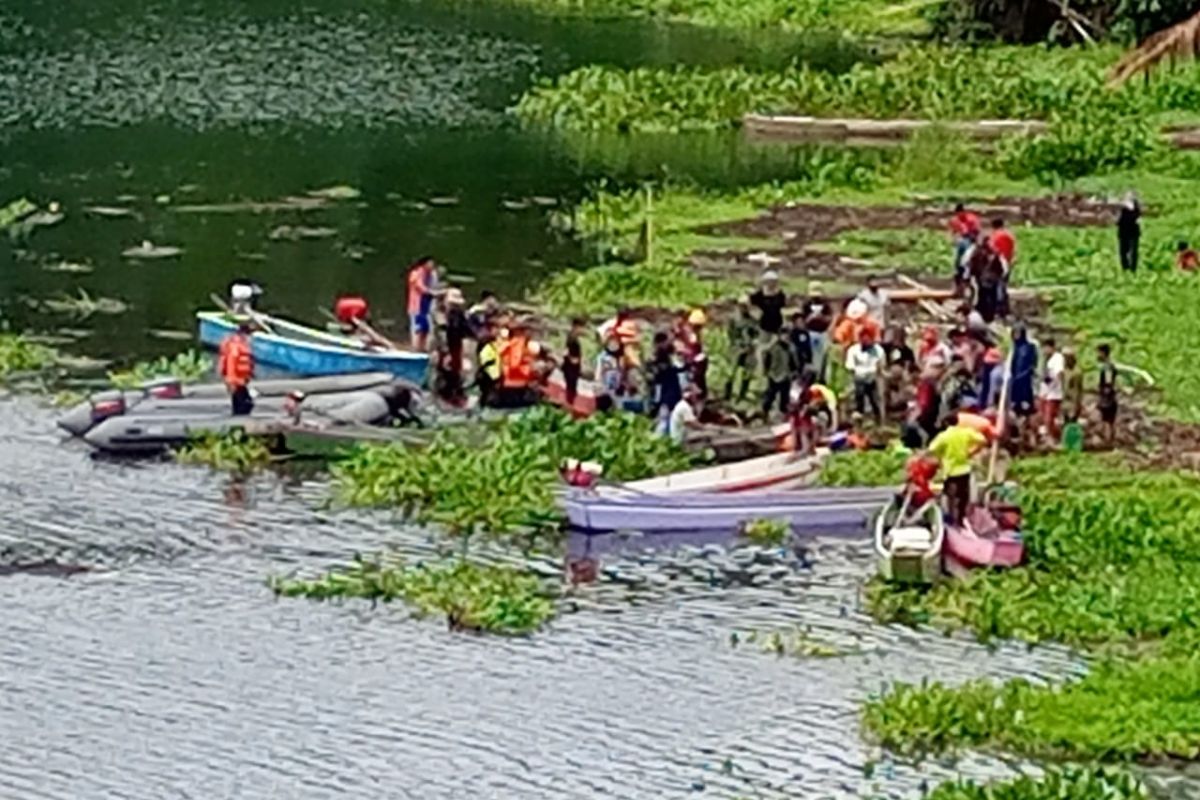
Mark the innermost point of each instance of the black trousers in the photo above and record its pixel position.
(1128, 248)
(570, 380)
(241, 401)
(777, 391)
(866, 393)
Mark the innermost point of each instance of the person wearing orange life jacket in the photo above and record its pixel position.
(235, 363)
(518, 375)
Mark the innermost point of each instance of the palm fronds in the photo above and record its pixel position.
(1177, 43)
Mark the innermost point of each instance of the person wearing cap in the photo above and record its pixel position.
(864, 360)
(742, 331)
(818, 318)
(242, 294)
(853, 323)
(770, 301)
(693, 350)
(876, 299)
(991, 378)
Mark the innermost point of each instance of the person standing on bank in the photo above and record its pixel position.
(770, 301)
(818, 318)
(1129, 232)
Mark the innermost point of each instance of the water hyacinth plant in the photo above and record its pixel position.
(507, 485)
(189, 366)
(1068, 783)
(19, 355)
(233, 451)
(863, 468)
(472, 597)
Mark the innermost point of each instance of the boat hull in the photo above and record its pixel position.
(777, 472)
(966, 551)
(834, 511)
(307, 351)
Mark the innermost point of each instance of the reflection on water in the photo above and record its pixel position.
(172, 667)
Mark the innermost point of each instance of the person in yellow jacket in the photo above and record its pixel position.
(487, 372)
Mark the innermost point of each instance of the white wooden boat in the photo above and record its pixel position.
(775, 472)
(908, 545)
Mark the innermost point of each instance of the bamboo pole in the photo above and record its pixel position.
(1002, 418)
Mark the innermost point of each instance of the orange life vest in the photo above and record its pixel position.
(516, 362)
(235, 362)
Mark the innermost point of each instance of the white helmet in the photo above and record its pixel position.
(857, 309)
(241, 292)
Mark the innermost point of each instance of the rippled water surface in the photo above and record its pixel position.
(172, 671)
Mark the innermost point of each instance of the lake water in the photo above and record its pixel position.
(170, 670)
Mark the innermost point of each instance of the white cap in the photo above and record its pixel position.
(770, 275)
(241, 291)
(857, 309)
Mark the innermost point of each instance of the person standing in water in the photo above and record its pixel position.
(235, 363)
(1129, 232)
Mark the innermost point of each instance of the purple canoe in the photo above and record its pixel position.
(807, 511)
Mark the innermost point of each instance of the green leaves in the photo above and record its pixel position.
(187, 366)
(863, 468)
(1071, 783)
(473, 597)
(18, 354)
(233, 451)
(508, 485)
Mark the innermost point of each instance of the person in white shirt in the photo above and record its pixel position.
(876, 300)
(1050, 392)
(864, 360)
(683, 415)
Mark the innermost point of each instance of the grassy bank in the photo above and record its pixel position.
(926, 82)
(860, 17)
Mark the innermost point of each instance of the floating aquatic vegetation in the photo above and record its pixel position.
(863, 468)
(15, 211)
(800, 643)
(1066, 783)
(150, 250)
(472, 597)
(233, 451)
(19, 355)
(236, 69)
(443, 201)
(506, 486)
(82, 363)
(169, 334)
(767, 532)
(294, 233)
(66, 398)
(336, 193)
(83, 305)
(188, 366)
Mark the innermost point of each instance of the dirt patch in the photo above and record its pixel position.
(798, 227)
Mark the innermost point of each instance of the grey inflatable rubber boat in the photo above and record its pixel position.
(172, 400)
(171, 424)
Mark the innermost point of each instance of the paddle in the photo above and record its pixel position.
(362, 326)
(259, 320)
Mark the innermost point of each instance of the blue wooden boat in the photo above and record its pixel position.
(301, 350)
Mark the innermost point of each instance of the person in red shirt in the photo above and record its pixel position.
(1002, 242)
(1005, 246)
(1186, 258)
(964, 230)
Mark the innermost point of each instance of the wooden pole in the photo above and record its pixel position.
(1002, 417)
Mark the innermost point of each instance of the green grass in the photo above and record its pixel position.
(233, 452)
(862, 17)
(188, 366)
